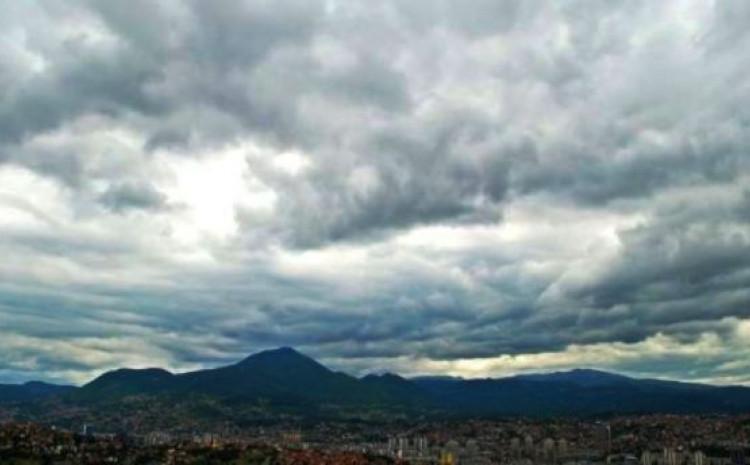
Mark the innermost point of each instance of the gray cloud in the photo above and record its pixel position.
(133, 196)
(413, 184)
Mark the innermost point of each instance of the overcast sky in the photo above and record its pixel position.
(473, 188)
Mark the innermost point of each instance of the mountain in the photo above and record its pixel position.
(396, 389)
(124, 382)
(281, 378)
(33, 390)
(283, 382)
(581, 392)
(580, 377)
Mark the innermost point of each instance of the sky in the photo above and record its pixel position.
(475, 188)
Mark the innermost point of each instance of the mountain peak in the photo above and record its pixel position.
(139, 372)
(36, 384)
(283, 350)
(284, 359)
(281, 353)
(126, 381)
(579, 376)
(387, 376)
(592, 373)
(136, 376)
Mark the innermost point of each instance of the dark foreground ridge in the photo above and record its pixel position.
(284, 383)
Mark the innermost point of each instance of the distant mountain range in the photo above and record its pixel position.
(283, 382)
(33, 390)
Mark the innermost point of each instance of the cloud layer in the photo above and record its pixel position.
(421, 186)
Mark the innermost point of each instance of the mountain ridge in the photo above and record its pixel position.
(287, 350)
(32, 390)
(286, 382)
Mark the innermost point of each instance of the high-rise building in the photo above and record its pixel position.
(515, 446)
(699, 458)
(670, 456)
(562, 447)
(528, 443)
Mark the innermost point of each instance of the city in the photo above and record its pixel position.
(631, 440)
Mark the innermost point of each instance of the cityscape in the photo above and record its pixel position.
(632, 440)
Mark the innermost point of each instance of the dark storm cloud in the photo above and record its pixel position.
(251, 65)
(690, 251)
(420, 178)
(419, 130)
(109, 82)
